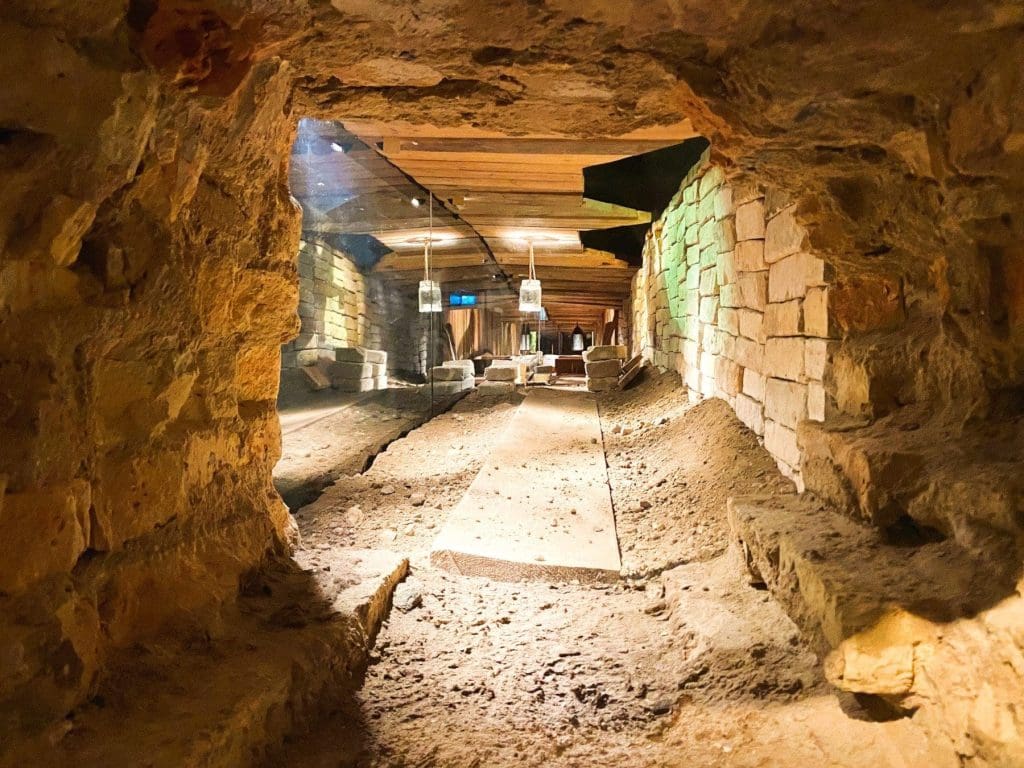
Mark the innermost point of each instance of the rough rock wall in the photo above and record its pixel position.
(146, 238)
(729, 297)
(147, 281)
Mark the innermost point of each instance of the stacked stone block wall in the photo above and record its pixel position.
(339, 306)
(730, 297)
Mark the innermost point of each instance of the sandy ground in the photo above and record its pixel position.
(681, 663)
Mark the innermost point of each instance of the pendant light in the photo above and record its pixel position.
(529, 289)
(430, 290)
(579, 341)
(524, 338)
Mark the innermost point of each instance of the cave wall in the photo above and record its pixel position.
(147, 276)
(147, 282)
(730, 297)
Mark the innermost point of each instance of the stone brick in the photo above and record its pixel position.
(749, 412)
(784, 358)
(709, 309)
(750, 291)
(783, 235)
(602, 384)
(691, 236)
(753, 384)
(815, 401)
(604, 368)
(783, 319)
(709, 282)
(729, 376)
(692, 378)
(750, 220)
(723, 202)
(815, 358)
(752, 325)
(725, 234)
(692, 278)
(708, 256)
(749, 256)
(726, 343)
(692, 254)
(692, 302)
(726, 268)
(710, 339)
(790, 277)
(750, 354)
(780, 442)
(815, 311)
(707, 364)
(713, 178)
(605, 352)
(708, 386)
(785, 402)
(729, 320)
(691, 352)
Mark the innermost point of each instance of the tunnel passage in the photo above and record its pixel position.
(149, 279)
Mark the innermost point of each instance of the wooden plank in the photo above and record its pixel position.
(621, 147)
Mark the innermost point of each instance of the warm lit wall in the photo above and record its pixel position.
(339, 306)
(332, 305)
(729, 296)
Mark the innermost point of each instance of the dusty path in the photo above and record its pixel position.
(682, 664)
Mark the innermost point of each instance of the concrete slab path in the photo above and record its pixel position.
(540, 507)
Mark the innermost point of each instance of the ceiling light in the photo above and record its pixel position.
(429, 290)
(336, 147)
(416, 202)
(579, 341)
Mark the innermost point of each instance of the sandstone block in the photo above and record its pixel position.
(752, 325)
(723, 202)
(729, 376)
(602, 384)
(783, 235)
(445, 373)
(709, 282)
(368, 384)
(790, 276)
(749, 256)
(783, 319)
(725, 234)
(360, 355)
(815, 401)
(753, 384)
(729, 320)
(496, 372)
(346, 370)
(709, 309)
(785, 402)
(815, 358)
(315, 378)
(466, 366)
(713, 178)
(784, 358)
(726, 268)
(749, 353)
(749, 412)
(780, 442)
(606, 352)
(750, 290)
(691, 352)
(692, 282)
(750, 223)
(600, 369)
(815, 313)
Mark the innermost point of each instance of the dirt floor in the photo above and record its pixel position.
(681, 663)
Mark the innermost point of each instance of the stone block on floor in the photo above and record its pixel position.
(605, 352)
(603, 368)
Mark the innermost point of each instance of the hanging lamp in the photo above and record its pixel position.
(579, 341)
(529, 289)
(524, 339)
(430, 290)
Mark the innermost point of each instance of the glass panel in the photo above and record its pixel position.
(430, 296)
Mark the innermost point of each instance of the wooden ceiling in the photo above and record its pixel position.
(493, 196)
